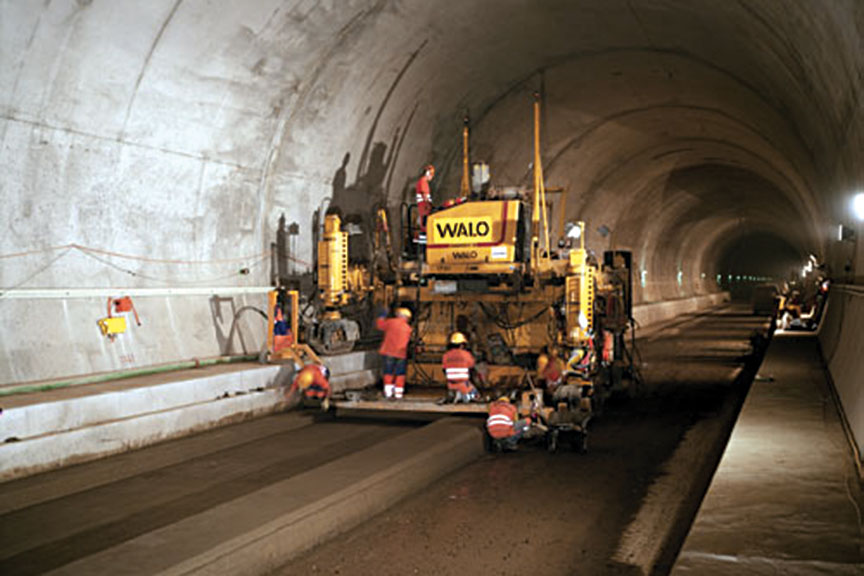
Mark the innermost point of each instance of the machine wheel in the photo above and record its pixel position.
(335, 336)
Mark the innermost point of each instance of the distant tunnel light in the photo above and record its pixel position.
(858, 206)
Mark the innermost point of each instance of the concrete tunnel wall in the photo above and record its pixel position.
(156, 145)
(843, 352)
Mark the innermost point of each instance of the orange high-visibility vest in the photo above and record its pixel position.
(501, 420)
(397, 335)
(457, 364)
(319, 388)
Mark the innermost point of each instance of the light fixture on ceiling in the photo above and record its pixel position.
(858, 206)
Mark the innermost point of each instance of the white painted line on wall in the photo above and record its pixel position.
(64, 293)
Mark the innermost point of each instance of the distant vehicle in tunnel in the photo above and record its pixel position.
(765, 298)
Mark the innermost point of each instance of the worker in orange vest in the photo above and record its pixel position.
(550, 370)
(503, 423)
(311, 383)
(458, 363)
(424, 201)
(394, 350)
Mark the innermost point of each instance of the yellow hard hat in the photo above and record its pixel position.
(542, 362)
(504, 399)
(404, 312)
(458, 338)
(304, 379)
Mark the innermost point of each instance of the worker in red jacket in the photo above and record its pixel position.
(311, 383)
(394, 350)
(458, 363)
(550, 369)
(424, 201)
(503, 423)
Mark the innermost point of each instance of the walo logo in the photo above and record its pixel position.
(463, 230)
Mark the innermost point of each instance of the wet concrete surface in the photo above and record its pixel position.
(531, 512)
(52, 519)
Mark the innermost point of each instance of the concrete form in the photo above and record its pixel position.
(45, 430)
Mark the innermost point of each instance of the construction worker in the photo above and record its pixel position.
(503, 423)
(311, 383)
(394, 350)
(582, 358)
(458, 363)
(424, 201)
(282, 337)
(550, 369)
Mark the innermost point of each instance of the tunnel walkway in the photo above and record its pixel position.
(785, 498)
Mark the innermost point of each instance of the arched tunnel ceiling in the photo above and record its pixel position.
(680, 125)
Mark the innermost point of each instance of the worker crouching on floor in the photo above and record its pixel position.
(503, 424)
(394, 350)
(311, 384)
(458, 364)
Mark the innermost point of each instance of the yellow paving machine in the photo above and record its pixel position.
(490, 271)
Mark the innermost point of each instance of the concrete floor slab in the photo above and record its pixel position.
(57, 427)
(258, 532)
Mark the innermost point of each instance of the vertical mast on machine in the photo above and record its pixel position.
(466, 182)
(539, 195)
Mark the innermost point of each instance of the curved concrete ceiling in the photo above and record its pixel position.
(182, 129)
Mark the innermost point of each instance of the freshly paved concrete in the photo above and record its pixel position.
(233, 501)
(786, 497)
(45, 430)
(52, 428)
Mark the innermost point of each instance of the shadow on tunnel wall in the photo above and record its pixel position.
(225, 313)
(358, 201)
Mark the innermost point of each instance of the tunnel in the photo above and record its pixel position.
(159, 149)
(158, 146)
